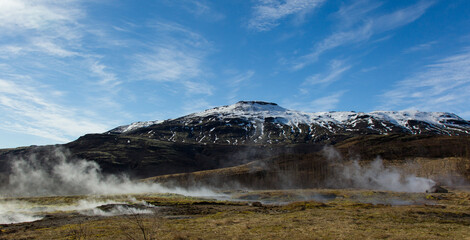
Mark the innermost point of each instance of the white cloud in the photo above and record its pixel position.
(240, 78)
(50, 36)
(43, 45)
(442, 86)
(349, 15)
(168, 64)
(327, 103)
(236, 83)
(8, 50)
(201, 8)
(44, 26)
(170, 32)
(401, 17)
(420, 47)
(198, 87)
(49, 47)
(107, 78)
(178, 59)
(35, 14)
(29, 108)
(268, 13)
(195, 105)
(368, 28)
(336, 70)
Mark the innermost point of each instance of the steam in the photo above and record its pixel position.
(13, 211)
(59, 174)
(377, 176)
(90, 207)
(116, 211)
(82, 205)
(373, 175)
(16, 212)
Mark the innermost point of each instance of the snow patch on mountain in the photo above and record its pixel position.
(133, 126)
(260, 111)
(256, 113)
(402, 117)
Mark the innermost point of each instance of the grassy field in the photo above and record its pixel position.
(292, 214)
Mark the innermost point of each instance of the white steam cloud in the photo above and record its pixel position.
(60, 174)
(376, 176)
(115, 211)
(16, 212)
(373, 175)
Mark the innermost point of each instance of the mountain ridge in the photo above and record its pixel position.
(246, 132)
(248, 122)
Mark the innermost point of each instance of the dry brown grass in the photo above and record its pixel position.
(343, 218)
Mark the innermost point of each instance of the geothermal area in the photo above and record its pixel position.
(252, 170)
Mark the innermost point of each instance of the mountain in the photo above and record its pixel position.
(255, 122)
(132, 126)
(255, 142)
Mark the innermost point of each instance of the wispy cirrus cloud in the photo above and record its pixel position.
(350, 15)
(441, 86)
(194, 105)
(168, 64)
(52, 47)
(43, 29)
(326, 103)
(268, 13)
(6, 51)
(106, 77)
(178, 58)
(171, 32)
(420, 47)
(202, 87)
(365, 29)
(38, 45)
(42, 42)
(316, 85)
(237, 82)
(42, 26)
(18, 15)
(33, 110)
(336, 69)
(171, 65)
(201, 9)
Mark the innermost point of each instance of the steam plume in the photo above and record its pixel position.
(373, 176)
(377, 176)
(60, 174)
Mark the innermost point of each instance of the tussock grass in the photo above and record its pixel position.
(444, 216)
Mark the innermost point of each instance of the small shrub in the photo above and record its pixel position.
(79, 232)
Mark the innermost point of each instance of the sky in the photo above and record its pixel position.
(73, 67)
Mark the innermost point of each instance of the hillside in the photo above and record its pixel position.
(267, 123)
(232, 141)
(445, 159)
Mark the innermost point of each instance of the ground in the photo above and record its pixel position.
(268, 214)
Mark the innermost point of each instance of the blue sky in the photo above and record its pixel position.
(73, 67)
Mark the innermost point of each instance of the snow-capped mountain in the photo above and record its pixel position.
(261, 122)
(133, 126)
